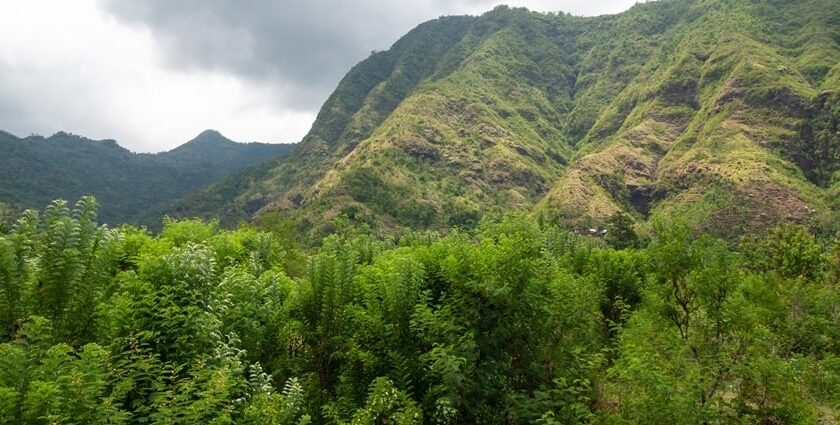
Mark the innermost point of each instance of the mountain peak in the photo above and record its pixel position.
(210, 135)
(128, 185)
(207, 139)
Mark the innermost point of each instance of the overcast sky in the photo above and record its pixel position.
(154, 73)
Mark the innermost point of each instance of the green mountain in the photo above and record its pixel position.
(130, 186)
(722, 112)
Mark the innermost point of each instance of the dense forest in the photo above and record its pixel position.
(513, 321)
(134, 187)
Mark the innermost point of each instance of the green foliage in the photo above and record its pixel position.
(789, 250)
(512, 322)
(181, 232)
(277, 409)
(620, 233)
(287, 234)
(386, 404)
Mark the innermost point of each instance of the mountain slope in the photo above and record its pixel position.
(36, 170)
(722, 130)
(721, 111)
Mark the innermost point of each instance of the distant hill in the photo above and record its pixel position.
(130, 187)
(722, 112)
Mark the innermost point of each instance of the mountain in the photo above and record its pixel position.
(129, 186)
(721, 112)
(731, 125)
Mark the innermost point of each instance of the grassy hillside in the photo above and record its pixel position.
(733, 126)
(36, 170)
(723, 112)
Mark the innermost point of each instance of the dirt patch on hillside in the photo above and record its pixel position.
(757, 207)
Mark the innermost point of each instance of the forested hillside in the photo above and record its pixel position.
(721, 112)
(135, 187)
(511, 323)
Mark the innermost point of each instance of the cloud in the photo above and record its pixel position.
(91, 74)
(305, 46)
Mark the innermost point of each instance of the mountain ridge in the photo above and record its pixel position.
(722, 112)
(132, 187)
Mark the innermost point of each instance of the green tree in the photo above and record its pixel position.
(620, 232)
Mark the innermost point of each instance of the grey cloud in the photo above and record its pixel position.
(298, 48)
(17, 114)
(302, 46)
(14, 119)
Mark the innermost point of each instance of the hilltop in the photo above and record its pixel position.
(132, 187)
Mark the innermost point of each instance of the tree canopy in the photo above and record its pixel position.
(511, 323)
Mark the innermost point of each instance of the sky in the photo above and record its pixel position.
(152, 74)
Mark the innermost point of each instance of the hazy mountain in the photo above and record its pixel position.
(35, 170)
(723, 112)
